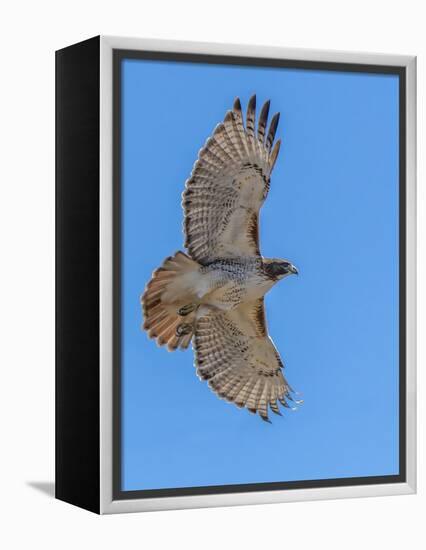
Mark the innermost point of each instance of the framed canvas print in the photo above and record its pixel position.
(235, 274)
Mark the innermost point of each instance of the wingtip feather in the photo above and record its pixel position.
(252, 103)
(263, 120)
(274, 155)
(272, 129)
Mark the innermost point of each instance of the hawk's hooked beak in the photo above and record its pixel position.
(293, 269)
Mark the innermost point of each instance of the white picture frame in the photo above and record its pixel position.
(108, 501)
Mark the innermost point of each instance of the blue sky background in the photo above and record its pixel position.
(333, 211)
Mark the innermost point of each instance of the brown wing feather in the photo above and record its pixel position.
(228, 185)
(234, 353)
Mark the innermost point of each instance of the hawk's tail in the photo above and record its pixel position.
(168, 291)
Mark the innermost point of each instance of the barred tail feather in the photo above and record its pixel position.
(165, 293)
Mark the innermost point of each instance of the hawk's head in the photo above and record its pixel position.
(277, 269)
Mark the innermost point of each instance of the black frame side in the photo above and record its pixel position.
(118, 56)
(77, 469)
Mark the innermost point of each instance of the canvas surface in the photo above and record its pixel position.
(333, 210)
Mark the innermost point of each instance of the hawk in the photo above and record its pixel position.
(213, 295)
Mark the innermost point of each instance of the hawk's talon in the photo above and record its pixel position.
(183, 329)
(186, 310)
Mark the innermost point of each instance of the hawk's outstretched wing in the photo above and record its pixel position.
(228, 184)
(235, 354)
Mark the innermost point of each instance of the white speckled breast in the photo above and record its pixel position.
(233, 281)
